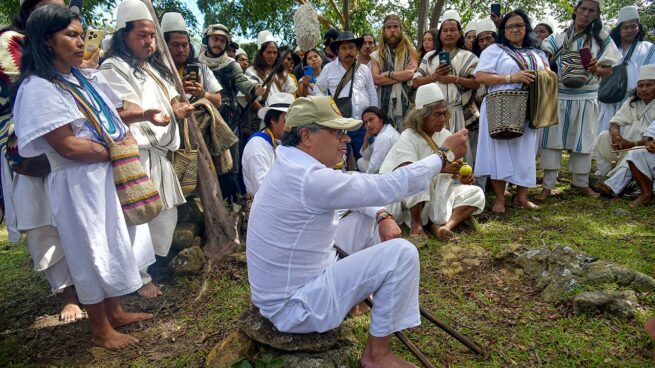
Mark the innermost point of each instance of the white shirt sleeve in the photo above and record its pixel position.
(489, 60)
(210, 83)
(370, 88)
(255, 167)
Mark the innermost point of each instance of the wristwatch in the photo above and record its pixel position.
(448, 154)
(383, 215)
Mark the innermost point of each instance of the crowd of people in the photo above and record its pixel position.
(335, 145)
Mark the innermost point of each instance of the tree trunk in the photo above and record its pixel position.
(436, 13)
(422, 17)
(346, 15)
(220, 230)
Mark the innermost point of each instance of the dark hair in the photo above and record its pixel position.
(435, 36)
(476, 44)
(304, 58)
(530, 40)
(594, 28)
(119, 49)
(232, 45)
(370, 35)
(38, 58)
(259, 63)
(292, 137)
(294, 58)
(615, 33)
(379, 112)
(270, 116)
(192, 51)
(330, 35)
(548, 27)
(20, 20)
(437, 42)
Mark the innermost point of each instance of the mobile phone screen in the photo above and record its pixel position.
(585, 57)
(495, 9)
(192, 71)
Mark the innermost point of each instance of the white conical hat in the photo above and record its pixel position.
(646, 72)
(486, 25)
(628, 13)
(451, 15)
(263, 37)
(471, 26)
(173, 22)
(130, 11)
(240, 52)
(427, 94)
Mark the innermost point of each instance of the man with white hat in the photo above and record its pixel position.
(628, 36)
(295, 280)
(241, 58)
(215, 40)
(202, 85)
(394, 79)
(259, 153)
(137, 74)
(445, 203)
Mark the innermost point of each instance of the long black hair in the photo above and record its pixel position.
(380, 114)
(594, 28)
(435, 37)
(530, 39)
(259, 64)
(118, 48)
(20, 20)
(476, 44)
(437, 41)
(615, 33)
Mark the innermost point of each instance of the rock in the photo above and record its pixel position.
(455, 259)
(197, 242)
(620, 212)
(238, 257)
(190, 212)
(642, 282)
(599, 272)
(262, 330)
(235, 346)
(559, 289)
(619, 303)
(622, 275)
(184, 235)
(189, 261)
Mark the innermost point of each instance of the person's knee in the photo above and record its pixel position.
(406, 251)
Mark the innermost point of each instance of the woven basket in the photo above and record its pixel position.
(506, 113)
(185, 163)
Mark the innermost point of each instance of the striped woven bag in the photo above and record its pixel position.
(138, 196)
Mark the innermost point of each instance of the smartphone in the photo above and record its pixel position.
(192, 71)
(585, 57)
(92, 42)
(495, 9)
(444, 58)
(309, 70)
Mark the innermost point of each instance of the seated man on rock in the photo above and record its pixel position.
(628, 125)
(640, 165)
(445, 202)
(295, 279)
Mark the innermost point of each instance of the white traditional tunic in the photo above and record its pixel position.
(256, 161)
(643, 160)
(511, 160)
(374, 154)
(155, 142)
(277, 85)
(103, 257)
(292, 272)
(364, 93)
(633, 119)
(463, 64)
(578, 107)
(443, 194)
(207, 79)
(643, 54)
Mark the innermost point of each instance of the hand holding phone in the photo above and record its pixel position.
(444, 58)
(308, 70)
(191, 72)
(585, 57)
(92, 41)
(495, 9)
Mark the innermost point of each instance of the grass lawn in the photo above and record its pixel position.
(498, 309)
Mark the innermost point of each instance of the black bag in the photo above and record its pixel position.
(345, 104)
(613, 88)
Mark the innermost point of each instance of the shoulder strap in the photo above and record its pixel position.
(632, 49)
(566, 45)
(159, 82)
(348, 75)
(429, 141)
(514, 56)
(87, 110)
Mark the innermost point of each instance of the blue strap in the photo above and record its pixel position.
(263, 135)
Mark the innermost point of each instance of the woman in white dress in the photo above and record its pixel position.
(103, 255)
(511, 160)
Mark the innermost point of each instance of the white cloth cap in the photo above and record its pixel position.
(486, 25)
(173, 22)
(451, 15)
(646, 72)
(628, 13)
(239, 52)
(263, 37)
(471, 26)
(130, 11)
(277, 101)
(427, 94)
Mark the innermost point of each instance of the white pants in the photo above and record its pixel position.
(605, 157)
(389, 271)
(643, 160)
(579, 165)
(47, 254)
(356, 231)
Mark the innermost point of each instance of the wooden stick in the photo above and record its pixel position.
(219, 232)
(628, 149)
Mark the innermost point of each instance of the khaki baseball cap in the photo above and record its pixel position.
(321, 110)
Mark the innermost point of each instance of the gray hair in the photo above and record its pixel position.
(416, 117)
(291, 138)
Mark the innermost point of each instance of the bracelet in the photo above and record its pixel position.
(508, 78)
(383, 215)
(143, 115)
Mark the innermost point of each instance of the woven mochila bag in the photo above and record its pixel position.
(137, 194)
(185, 163)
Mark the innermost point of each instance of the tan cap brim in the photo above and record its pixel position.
(341, 123)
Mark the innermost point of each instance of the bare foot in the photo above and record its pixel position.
(149, 290)
(125, 318)
(499, 205)
(71, 311)
(605, 190)
(642, 199)
(388, 360)
(526, 204)
(417, 231)
(360, 309)
(589, 192)
(114, 340)
(545, 193)
(442, 233)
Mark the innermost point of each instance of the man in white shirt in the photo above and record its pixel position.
(259, 153)
(294, 277)
(355, 91)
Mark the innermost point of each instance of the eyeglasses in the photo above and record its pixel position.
(517, 26)
(340, 133)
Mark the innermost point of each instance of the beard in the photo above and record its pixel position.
(393, 40)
